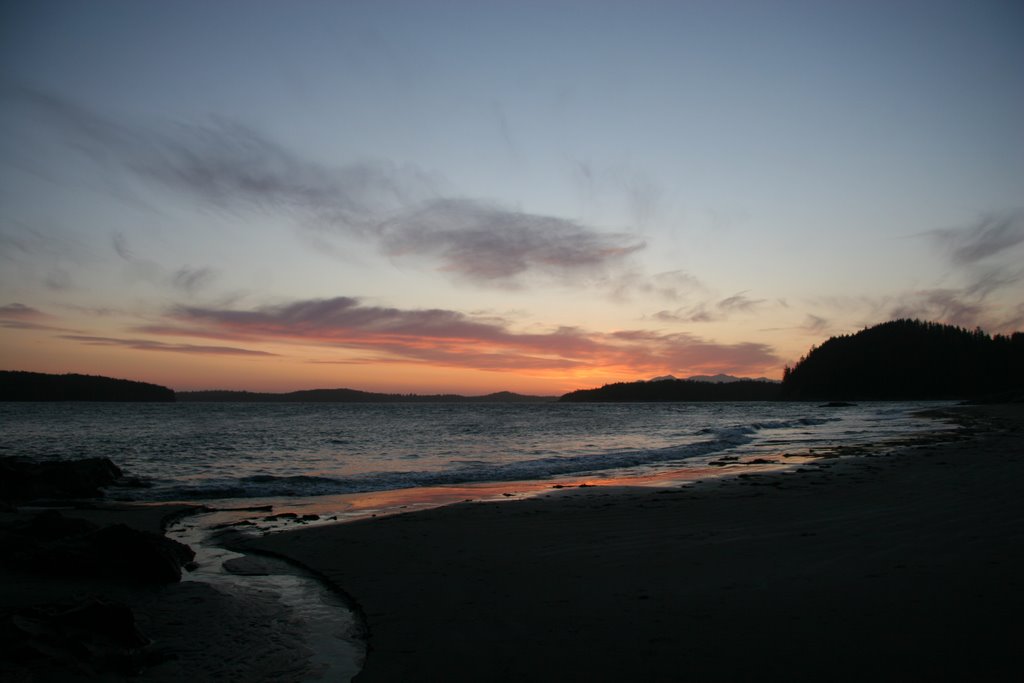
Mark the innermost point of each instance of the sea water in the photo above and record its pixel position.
(217, 451)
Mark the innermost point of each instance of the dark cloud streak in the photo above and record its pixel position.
(397, 207)
(18, 311)
(16, 316)
(191, 280)
(151, 345)
(450, 338)
(482, 243)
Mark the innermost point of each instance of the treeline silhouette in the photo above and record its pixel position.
(38, 386)
(909, 359)
(677, 390)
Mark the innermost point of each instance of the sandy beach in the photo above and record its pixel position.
(907, 564)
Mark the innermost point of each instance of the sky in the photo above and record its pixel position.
(438, 196)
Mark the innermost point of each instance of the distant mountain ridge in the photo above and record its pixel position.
(714, 379)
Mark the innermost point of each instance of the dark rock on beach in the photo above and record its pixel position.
(93, 637)
(138, 555)
(51, 525)
(280, 515)
(52, 544)
(22, 479)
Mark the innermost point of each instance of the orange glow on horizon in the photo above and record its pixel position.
(376, 362)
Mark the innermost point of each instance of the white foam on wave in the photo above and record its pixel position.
(467, 472)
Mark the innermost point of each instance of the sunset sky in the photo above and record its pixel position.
(476, 196)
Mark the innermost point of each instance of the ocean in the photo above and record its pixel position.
(255, 451)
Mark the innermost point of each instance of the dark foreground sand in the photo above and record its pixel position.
(193, 631)
(908, 566)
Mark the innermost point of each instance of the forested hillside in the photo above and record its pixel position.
(38, 386)
(908, 359)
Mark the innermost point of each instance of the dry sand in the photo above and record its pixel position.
(907, 566)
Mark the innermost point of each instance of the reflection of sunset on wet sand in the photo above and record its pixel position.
(892, 565)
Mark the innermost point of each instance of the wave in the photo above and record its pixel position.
(468, 472)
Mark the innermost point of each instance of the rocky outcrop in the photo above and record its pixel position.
(22, 479)
(50, 543)
(93, 637)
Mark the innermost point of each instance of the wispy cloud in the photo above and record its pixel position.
(711, 311)
(815, 324)
(151, 345)
(120, 244)
(450, 338)
(397, 207)
(46, 254)
(739, 302)
(986, 267)
(23, 325)
(16, 316)
(222, 162)
(945, 305)
(1013, 319)
(190, 280)
(481, 242)
(16, 311)
(987, 237)
(673, 286)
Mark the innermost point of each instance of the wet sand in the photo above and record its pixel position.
(907, 565)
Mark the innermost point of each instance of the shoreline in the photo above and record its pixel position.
(348, 507)
(899, 565)
(607, 595)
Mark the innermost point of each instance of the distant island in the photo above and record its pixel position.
(897, 360)
(678, 390)
(352, 396)
(38, 386)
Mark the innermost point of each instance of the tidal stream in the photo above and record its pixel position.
(331, 630)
